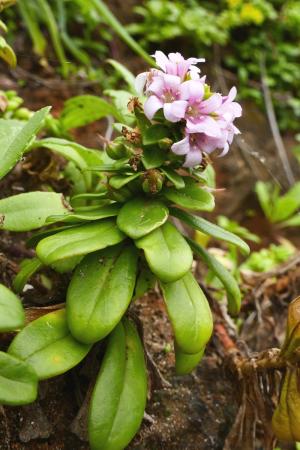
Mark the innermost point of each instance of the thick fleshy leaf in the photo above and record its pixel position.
(28, 211)
(167, 252)
(14, 140)
(47, 345)
(228, 280)
(192, 196)
(119, 398)
(12, 315)
(184, 362)
(153, 157)
(84, 109)
(189, 313)
(145, 281)
(78, 241)
(18, 381)
(87, 215)
(155, 133)
(200, 224)
(140, 216)
(100, 292)
(118, 181)
(174, 177)
(286, 417)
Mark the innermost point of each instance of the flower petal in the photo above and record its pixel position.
(161, 59)
(192, 90)
(211, 104)
(152, 105)
(175, 111)
(181, 147)
(206, 125)
(156, 86)
(193, 158)
(140, 82)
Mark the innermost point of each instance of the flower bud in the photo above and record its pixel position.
(165, 143)
(117, 149)
(153, 181)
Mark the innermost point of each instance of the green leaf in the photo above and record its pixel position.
(294, 221)
(174, 177)
(125, 74)
(28, 211)
(228, 280)
(84, 109)
(153, 157)
(47, 345)
(7, 53)
(189, 313)
(94, 214)
(82, 157)
(155, 133)
(192, 196)
(12, 315)
(167, 252)
(13, 144)
(287, 204)
(107, 17)
(145, 281)
(18, 381)
(118, 181)
(28, 268)
(119, 398)
(121, 99)
(200, 224)
(184, 362)
(100, 292)
(39, 235)
(79, 240)
(140, 216)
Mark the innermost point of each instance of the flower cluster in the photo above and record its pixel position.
(183, 95)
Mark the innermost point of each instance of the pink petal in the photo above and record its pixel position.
(232, 94)
(172, 82)
(176, 57)
(181, 147)
(211, 104)
(175, 111)
(205, 125)
(140, 82)
(192, 90)
(152, 105)
(161, 59)
(193, 158)
(157, 86)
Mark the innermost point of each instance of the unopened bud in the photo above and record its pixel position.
(153, 182)
(117, 149)
(165, 143)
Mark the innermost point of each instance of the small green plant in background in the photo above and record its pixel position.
(279, 209)
(78, 31)
(6, 51)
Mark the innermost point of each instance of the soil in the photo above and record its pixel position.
(194, 412)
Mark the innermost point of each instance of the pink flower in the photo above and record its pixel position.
(194, 144)
(175, 64)
(167, 92)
